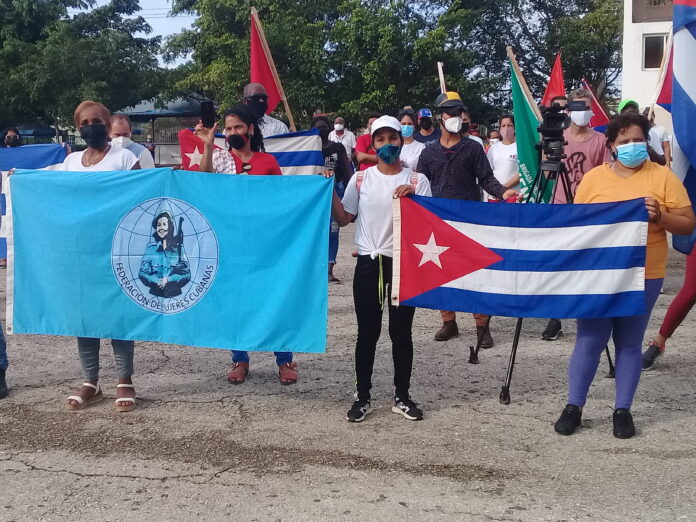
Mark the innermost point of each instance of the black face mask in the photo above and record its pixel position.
(324, 133)
(95, 135)
(258, 106)
(426, 123)
(465, 127)
(237, 141)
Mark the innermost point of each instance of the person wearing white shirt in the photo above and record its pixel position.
(120, 135)
(659, 141)
(503, 156)
(256, 98)
(466, 120)
(411, 151)
(368, 201)
(343, 136)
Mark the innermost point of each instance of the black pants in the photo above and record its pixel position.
(368, 309)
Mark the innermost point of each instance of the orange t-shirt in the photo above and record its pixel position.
(603, 185)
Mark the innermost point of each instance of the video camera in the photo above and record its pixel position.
(554, 121)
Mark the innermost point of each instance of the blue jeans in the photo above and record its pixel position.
(592, 337)
(242, 356)
(334, 228)
(3, 351)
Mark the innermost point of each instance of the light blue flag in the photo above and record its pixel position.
(236, 262)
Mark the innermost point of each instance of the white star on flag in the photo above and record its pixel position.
(194, 157)
(431, 251)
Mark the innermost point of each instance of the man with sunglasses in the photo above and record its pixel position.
(256, 99)
(455, 166)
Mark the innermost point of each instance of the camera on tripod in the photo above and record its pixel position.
(554, 121)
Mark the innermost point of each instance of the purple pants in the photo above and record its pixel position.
(593, 335)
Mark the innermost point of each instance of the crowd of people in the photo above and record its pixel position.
(430, 152)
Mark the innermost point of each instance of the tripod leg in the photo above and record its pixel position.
(505, 392)
(473, 356)
(612, 372)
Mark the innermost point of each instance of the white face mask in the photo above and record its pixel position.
(121, 141)
(493, 141)
(338, 126)
(453, 125)
(581, 118)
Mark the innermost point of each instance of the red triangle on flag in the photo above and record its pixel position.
(434, 253)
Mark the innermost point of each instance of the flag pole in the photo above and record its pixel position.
(274, 71)
(441, 74)
(523, 82)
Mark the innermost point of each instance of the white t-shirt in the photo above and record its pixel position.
(272, 127)
(347, 139)
(410, 153)
(658, 135)
(477, 140)
(116, 158)
(503, 160)
(374, 232)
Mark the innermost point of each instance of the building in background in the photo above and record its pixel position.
(647, 24)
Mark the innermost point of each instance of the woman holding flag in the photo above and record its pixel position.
(631, 175)
(94, 123)
(368, 201)
(245, 155)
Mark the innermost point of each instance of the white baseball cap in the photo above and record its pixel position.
(382, 122)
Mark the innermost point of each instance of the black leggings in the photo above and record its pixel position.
(368, 308)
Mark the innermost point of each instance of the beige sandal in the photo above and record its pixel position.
(83, 403)
(130, 401)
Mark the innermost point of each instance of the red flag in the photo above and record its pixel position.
(191, 148)
(664, 98)
(556, 86)
(600, 117)
(434, 252)
(262, 70)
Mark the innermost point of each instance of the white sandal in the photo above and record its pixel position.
(120, 407)
(83, 403)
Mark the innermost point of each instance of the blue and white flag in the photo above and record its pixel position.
(684, 105)
(563, 261)
(236, 262)
(49, 156)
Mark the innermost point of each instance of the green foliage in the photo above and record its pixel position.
(54, 64)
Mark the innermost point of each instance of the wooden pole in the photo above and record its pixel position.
(441, 74)
(523, 83)
(663, 73)
(269, 57)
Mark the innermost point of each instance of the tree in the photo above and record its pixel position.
(96, 55)
(587, 31)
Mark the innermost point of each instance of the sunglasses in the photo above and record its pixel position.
(257, 98)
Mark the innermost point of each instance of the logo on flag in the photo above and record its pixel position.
(164, 255)
(565, 261)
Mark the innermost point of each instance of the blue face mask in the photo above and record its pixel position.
(632, 154)
(407, 131)
(389, 153)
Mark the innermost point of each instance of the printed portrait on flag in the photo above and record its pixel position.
(160, 265)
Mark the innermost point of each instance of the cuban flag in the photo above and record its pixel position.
(564, 261)
(48, 156)
(684, 105)
(297, 153)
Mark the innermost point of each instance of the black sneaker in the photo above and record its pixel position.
(553, 330)
(652, 353)
(623, 424)
(358, 411)
(407, 408)
(569, 420)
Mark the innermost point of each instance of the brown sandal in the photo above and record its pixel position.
(238, 372)
(287, 373)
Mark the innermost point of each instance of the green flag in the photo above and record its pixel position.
(526, 124)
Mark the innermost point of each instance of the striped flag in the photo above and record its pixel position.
(297, 153)
(564, 261)
(684, 105)
(47, 156)
(527, 119)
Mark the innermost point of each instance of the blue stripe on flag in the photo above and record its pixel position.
(299, 158)
(535, 216)
(683, 15)
(563, 260)
(31, 156)
(541, 306)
